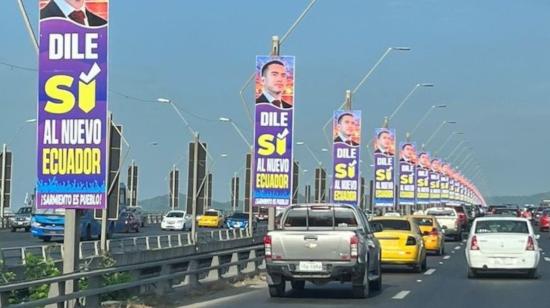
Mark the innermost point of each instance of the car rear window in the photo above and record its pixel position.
(501, 226)
(239, 216)
(459, 209)
(389, 224)
(441, 213)
(210, 214)
(320, 217)
(175, 214)
(424, 221)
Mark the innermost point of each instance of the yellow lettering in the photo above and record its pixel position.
(265, 142)
(66, 98)
(86, 96)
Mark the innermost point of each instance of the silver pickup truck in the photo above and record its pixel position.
(321, 243)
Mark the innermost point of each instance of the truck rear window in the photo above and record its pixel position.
(320, 217)
(441, 213)
(424, 221)
(501, 226)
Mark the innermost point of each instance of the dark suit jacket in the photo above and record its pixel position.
(52, 10)
(263, 99)
(349, 142)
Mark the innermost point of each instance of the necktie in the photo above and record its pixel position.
(78, 16)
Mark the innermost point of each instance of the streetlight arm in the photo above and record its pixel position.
(445, 143)
(240, 134)
(454, 150)
(422, 120)
(371, 70)
(313, 154)
(435, 133)
(403, 102)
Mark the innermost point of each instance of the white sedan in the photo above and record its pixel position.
(176, 220)
(502, 244)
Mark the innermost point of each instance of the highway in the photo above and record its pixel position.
(444, 284)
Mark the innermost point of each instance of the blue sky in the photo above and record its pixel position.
(488, 59)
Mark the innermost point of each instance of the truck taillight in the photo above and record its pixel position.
(473, 244)
(267, 246)
(354, 246)
(530, 243)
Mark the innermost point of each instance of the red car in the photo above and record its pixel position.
(544, 222)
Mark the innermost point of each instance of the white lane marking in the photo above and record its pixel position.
(419, 280)
(546, 259)
(447, 257)
(430, 271)
(463, 241)
(440, 262)
(457, 247)
(453, 251)
(401, 295)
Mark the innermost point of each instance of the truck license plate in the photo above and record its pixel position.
(310, 267)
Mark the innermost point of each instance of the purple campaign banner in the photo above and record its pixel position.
(72, 111)
(273, 131)
(346, 156)
(435, 182)
(444, 181)
(384, 159)
(423, 179)
(407, 162)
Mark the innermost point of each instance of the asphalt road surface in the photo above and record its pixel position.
(444, 284)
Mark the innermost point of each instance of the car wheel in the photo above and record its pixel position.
(298, 284)
(13, 229)
(376, 285)
(277, 290)
(27, 229)
(424, 265)
(440, 252)
(472, 273)
(361, 290)
(532, 274)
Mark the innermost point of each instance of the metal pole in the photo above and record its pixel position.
(422, 119)
(194, 201)
(275, 51)
(28, 24)
(71, 250)
(251, 193)
(103, 235)
(173, 192)
(3, 181)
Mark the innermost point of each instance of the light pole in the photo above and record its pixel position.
(320, 163)
(455, 148)
(459, 153)
(447, 141)
(367, 75)
(426, 115)
(437, 131)
(418, 85)
(251, 152)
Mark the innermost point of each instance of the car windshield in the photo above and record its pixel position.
(25, 210)
(441, 213)
(388, 224)
(239, 216)
(320, 217)
(210, 214)
(175, 214)
(50, 212)
(424, 221)
(502, 226)
(505, 212)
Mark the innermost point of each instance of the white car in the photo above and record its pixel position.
(502, 244)
(176, 220)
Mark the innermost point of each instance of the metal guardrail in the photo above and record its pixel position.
(188, 271)
(16, 256)
(5, 223)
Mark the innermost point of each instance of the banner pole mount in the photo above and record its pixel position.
(386, 122)
(275, 43)
(347, 103)
(408, 136)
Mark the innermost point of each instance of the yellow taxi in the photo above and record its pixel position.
(211, 219)
(432, 234)
(401, 241)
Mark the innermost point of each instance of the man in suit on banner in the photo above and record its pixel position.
(74, 10)
(274, 80)
(346, 128)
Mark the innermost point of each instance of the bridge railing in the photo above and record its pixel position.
(159, 276)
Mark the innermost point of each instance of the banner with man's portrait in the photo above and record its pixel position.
(72, 105)
(407, 165)
(444, 182)
(384, 175)
(346, 156)
(273, 131)
(423, 178)
(435, 185)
